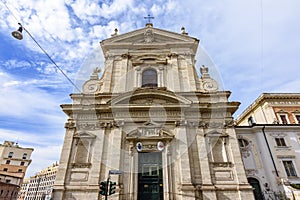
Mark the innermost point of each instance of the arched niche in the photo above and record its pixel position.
(83, 143)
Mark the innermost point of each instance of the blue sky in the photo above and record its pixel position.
(253, 44)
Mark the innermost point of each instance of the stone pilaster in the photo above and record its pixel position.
(97, 157)
(207, 188)
(173, 82)
(109, 64)
(187, 189)
(59, 185)
(115, 151)
(138, 77)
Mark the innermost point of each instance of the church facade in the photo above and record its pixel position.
(149, 116)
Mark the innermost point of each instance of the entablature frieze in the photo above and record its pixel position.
(92, 116)
(111, 56)
(221, 164)
(92, 122)
(81, 165)
(141, 106)
(283, 103)
(135, 113)
(99, 125)
(206, 124)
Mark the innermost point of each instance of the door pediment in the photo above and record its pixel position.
(84, 135)
(150, 131)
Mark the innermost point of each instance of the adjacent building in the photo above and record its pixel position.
(151, 117)
(24, 189)
(40, 186)
(14, 161)
(269, 137)
(9, 185)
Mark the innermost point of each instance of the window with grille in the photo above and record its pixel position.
(24, 155)
(280, 142)
(150, 170)
(149, 78)
(289, 168)
(297, 119)
(283, 119)
(10, 154)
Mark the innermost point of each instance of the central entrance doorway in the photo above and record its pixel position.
(150, 177)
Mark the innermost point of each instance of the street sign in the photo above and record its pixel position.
(115, 172)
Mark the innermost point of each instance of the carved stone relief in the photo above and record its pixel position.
(251, 172)
(148, 36)
(245, 146)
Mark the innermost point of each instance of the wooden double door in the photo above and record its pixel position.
(150, 177)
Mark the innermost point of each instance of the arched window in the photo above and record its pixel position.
(149, 78)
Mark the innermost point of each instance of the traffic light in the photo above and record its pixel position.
(103, 188)
(112, 187)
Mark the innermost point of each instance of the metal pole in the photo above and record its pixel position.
(107, 187)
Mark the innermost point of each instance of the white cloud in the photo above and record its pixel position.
(116, 8)
(32, 117)
(24, 99)
(16, 64)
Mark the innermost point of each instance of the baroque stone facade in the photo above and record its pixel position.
(152, 117)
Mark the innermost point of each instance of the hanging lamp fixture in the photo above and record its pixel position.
(18, 33)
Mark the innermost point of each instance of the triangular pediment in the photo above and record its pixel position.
(149, 38)
(84, 135)
(150, 35)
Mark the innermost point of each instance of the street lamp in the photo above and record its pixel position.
(18, 33)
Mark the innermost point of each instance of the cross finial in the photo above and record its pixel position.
(149, 18)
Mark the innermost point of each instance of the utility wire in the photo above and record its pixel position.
(10, 11)
(44, 51)
(261, 39)
(65, 75)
